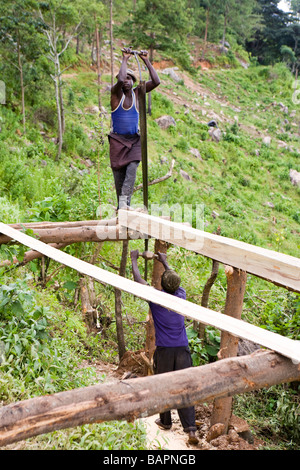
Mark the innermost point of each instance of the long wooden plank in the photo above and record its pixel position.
(239, 328)
(281, 269)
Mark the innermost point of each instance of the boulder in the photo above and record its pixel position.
(165, 122)
(295, 177)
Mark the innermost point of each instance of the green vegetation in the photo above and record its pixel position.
(242, 182)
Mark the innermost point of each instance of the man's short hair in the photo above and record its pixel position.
(170, 281)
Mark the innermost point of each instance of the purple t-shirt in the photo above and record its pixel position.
(169, 326)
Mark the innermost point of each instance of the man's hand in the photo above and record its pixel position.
(134, 254)
(126, 52)
(143, 55)
(162, 257)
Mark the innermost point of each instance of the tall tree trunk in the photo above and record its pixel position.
(98, 52)
(59, 122)
(61, 100)
(205, 34)
(111, 43)
(22, 84)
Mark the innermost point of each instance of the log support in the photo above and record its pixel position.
(236, 284)
(146, 396)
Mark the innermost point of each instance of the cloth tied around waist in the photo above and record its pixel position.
(124, 149)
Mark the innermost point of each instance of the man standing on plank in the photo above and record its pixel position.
(172, 350)
(124, 140)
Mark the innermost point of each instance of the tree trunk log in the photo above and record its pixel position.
(81, 234)
(146, 396)
(29, 256)
(236, 284)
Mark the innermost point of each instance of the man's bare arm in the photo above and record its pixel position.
(155, 81)
(135, 270)
(116, 89)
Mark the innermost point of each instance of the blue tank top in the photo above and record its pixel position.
(125, 121)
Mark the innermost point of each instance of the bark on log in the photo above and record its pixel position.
(30, 256)
(67, 224)
(146, 396)
(236, 285)
(69, 235)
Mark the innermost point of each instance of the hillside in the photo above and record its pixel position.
(239, 172)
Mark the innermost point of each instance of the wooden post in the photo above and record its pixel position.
(236, 284)
(157, 272)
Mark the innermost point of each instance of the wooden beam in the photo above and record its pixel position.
(141, 397)
(283, 345)
(77, 234)
(281, 269)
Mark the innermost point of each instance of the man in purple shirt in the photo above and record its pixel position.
(172, 350)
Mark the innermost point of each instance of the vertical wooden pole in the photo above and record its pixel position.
(118, 303)
(157, 272)
(144, 152)
(236, 284)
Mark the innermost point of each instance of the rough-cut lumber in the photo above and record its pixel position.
(281, 269)
(141, 397)
(283, 345)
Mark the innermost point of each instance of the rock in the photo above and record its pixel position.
(295, 177)
(284, 108)
(266, 140)
(215, 431)
(92, 110)
(269, 204)
(165, 122)
(185, 175)
(215, 134)
(172, 74)
(196, 153)
(240, 428)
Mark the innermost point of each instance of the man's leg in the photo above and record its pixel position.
(128, 183)
(163, 361)
(183, 360)
(119, 177)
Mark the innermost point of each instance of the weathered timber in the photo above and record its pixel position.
(66, 224)
(278, 268)
(146, 396)
(69, 235)
(30, 256)
(236, 285)
(283, 345)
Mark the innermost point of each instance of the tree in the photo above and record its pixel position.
(267, 41)
(158, 24)
(61, 23)
(20, 41)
